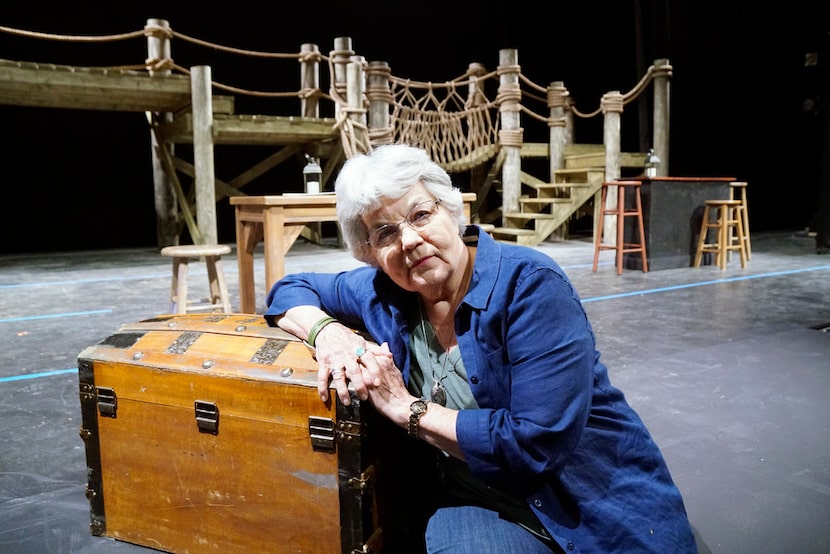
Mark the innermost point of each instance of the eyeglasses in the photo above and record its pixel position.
(418, 218)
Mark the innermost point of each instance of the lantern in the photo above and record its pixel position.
(652, 163)
(312, 175)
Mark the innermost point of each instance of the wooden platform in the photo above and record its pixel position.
(83, 88)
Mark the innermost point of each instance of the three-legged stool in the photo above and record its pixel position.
(726, 221)
(620, 212)
(212, 254)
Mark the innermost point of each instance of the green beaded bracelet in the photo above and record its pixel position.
(317, 327)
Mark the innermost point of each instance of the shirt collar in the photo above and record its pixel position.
(486, 268)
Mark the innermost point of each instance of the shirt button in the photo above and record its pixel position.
(537, 503)
(474, 380)
(571, 545)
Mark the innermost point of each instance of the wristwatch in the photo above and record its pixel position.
(416, 410)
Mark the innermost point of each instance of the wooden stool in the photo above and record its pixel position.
(727, 219)
(212, 254)
(741, 186)
(621, 212)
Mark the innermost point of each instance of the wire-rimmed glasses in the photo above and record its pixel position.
(419, 217)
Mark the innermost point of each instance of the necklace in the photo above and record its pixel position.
(437, 393)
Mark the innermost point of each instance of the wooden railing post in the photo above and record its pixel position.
(475, 94)
(310, 80)
(202, 98)
(661, 84)
(476, 97)
(557, 103)
(167, 208)
(612, 108)
(355, 91)
(379, 96)
(340, 57)
(510, 134)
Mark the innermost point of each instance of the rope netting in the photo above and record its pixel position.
(460, 131)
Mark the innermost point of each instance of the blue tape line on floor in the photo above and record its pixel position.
(38, 375)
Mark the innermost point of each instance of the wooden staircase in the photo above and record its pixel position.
(547, 208)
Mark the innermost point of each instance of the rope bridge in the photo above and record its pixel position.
(453, 121)
(457, 132)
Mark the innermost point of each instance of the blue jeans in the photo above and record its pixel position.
(474, 530)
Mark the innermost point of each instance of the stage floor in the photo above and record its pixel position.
(729, 369)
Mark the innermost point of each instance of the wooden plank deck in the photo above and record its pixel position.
(84, 88)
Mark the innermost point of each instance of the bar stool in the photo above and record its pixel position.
(212, 254)
(727, 220)
(620, 212)
(737, 191)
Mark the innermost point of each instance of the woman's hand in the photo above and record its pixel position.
(347, 359)
(384, 384)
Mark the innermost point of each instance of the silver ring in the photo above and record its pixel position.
(360, 351)
(336, 373)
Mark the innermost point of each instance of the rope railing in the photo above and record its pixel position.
(455, 121)
(171, 65)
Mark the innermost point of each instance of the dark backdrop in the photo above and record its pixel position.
(743, 103)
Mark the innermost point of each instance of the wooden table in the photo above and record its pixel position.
(278, 220)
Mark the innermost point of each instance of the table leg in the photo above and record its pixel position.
(248, 235)
(274, 231)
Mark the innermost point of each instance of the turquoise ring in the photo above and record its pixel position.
(360, 351)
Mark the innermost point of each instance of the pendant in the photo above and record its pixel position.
(438, 394)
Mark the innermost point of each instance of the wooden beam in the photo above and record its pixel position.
(56, 86)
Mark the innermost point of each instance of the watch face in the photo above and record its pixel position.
(418, 407)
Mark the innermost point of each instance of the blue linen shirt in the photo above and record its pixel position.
(550, 427)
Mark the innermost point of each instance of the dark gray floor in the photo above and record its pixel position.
(728, 369)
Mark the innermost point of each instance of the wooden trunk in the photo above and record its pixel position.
(205, 433)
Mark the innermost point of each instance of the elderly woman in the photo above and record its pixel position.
(483, 351)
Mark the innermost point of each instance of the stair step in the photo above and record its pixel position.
(585, 161)
(578, 169)
(563, 186)
(545, 200)
(535, 150)
(527, 216)
(511, 232)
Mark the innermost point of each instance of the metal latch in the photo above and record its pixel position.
(365, 481)
(207, 417)
(107, 401)
(321, 431)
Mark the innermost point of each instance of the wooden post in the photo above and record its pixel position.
(662, 74)
(478, 173)
(202, 97)
(569, 120)
(510, 134)
(340, 56)
(475, 94)
(612, 107)
(380, 101)
(167, 208)
(355, 92)
(310, 80)
(557, 102)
